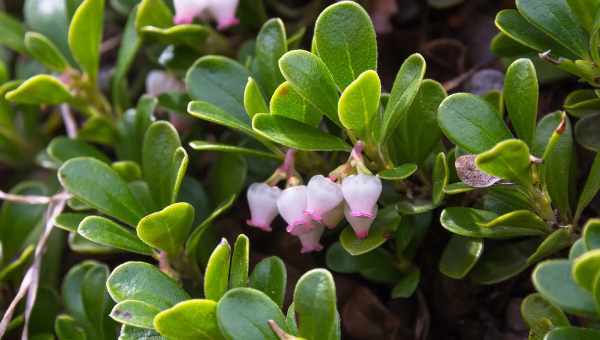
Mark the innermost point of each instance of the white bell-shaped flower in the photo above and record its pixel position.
(262, 200)
(361, 193)
(310, 240)
(360, 224)
(291, 205)
(323, 195)
(334, 216)
(224, 12)
(187, 10)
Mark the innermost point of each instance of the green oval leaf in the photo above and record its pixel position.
(502, 261)
(40, 89)
(44, 51)
(85, 36)
(359, 103)
(568, 333)
(167, 229)
(271, 44)
(586, 268)
(346, 40)
(403, 171)
(254, 102)
(586, 132)
(106, 232)
(508, 160)
(535, 308)
(240, 261)
(270, 277)
(61, 149)
(189, 320)
(216, 277)
(209, 146)
(460, 256)
(289, 103)
(315, 304)
(521, 96)
(134, 313)
(591, 234)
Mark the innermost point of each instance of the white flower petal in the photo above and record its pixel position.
(361, 193)
(262, 200)
(323, 195)
(310, 240)
(360, 224)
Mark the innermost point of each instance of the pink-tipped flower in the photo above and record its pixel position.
(187, 10)
(262, 200)
(224, 12)
(291, 205)
(310, 240)
(360, 224)
(361, 193)
(323, 195)
(334, 216)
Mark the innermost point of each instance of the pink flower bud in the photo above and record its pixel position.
(323, 195)
(360, 224)
(262, 200)
(310, 240)
(187, 10)
(291, 205)
(224, 12)
(159, 82)
(361, 193)
(334, 216)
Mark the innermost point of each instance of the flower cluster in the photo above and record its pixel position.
(322, 203)
(221, 10)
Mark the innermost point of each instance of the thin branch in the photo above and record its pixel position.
(68, 120)
(33, 199)
(110, 43)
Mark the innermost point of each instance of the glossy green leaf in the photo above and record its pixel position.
(346, 39)
(243, 313)
(584, 11)
(502, 261)
(556, 241)
(521, 96)
(134, 313)
(405, 89)
(130, 44)
(106, 232)
(359, 103)
(568, 333)
(96, 301)
(440, 178)
(69, 221)
(209, 146)
(12, 33)
(153, 13)
(503, 45)
(310, 78)
(191, 246)
(216, 277)
(513, 24)
(296, 135)
(467, 222)
(315, 304)
(100, 187)
(144, 282)
(517, 218)
(189, 320)
(66, 328)
(40, 89)
(254, 102)
(135, 333)
(53, 21)
(191, 35)
(553, 280)
(581, 103)
(80, 244)
(271, 44)
(591, 234)
(44, 51)
(471, 123)
(407, 286)
(415, 207)
(460, 256)
(577, 249)
(219, 81)
(61, 149)
(270, 277)
(167, 229)
(418, 132)
(71, 289)
(240, 262)
(97, 129)
(404, 171)
(162, 150)
(586, 132)
(289, 103)
(386, 222)
(508, 160)
(128, 170)
(85, 36)
(586, 268)
(211, 113)
(534, 308)
(15, 267)
(555, 18)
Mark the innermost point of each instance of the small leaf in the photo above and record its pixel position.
(130, 44)
(128, 170)
(214, 114)
(471, 175)
(189, 320)
(315, 304)
(167, 229)
(501, 261)
(243, 313)
(404, 171)
(440, 178)
(471, 123)
(405, 89)
(553, 280)
(135, 333)
(40, 89)
(586, 269)
(190, 35)
(135, 313)
(209, 146)
(67, 328)
(106, 232)
(289, 103)
(216, 277)
(85, 36)
(359, 103)
(577, 249)
(460, 256)
(591, 234)
(143, 282)
(517, 218)
(568, 333)
(153, 13)
(69, 221)
(521, 96)
(296, 135)
(467, 222)
(407, 285)
(191, 245)
(309, 77)
(162, 150)
(254, 102)
(61, 149)
(346, 39)
(558, 240)
(534, 308)
(586, 132)
(100, 187)
(12, 33)
(240, 261)
(508, 160)
(271, 45)
(270, 277)
(44, 51)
